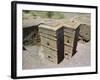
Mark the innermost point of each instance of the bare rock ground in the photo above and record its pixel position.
(32, 58)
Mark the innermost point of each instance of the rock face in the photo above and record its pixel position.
(31, 35)
(84, 32)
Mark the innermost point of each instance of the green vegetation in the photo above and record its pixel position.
(43, 14)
